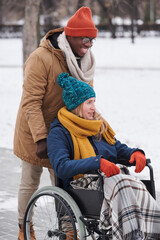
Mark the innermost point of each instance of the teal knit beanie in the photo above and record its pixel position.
(75, 91)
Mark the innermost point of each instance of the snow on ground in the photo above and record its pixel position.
(127, 83)
(121, 53)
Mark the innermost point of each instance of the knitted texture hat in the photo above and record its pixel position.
(81, 24)
(75, 91)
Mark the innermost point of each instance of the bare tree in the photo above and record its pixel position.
(106, 11)
(81, 3)
(31, 32)
(2, 9)
(11, 10)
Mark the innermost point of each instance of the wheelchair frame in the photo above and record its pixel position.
(74, 206)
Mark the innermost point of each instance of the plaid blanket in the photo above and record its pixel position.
(128, 209)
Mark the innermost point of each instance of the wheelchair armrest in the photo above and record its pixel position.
(127, 164)
(148, 164)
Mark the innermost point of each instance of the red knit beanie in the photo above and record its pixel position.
(81, 24)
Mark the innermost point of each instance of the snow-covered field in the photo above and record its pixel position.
(127, 83)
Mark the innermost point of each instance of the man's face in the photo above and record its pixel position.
(80, 45)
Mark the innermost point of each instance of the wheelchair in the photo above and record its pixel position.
(52, 209)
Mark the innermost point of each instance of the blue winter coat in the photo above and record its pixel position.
(61, 153)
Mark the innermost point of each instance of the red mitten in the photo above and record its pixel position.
(140, 161)
(109, 168)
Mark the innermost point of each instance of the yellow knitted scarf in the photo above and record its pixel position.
(80, 129)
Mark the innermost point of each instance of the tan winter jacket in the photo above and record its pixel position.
(41, 99)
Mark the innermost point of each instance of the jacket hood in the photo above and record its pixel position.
(46, 42)
(56, 52)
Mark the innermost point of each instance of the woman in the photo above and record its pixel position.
(80, 140)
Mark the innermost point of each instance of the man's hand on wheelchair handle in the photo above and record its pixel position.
(140, 159)
(41, 150)
(109, 168)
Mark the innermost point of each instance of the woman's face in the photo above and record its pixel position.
(88, 109)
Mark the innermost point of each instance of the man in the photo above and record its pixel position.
(62, 50)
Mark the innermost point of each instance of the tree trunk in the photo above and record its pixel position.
(81, 3)
(31, 29)
(105, 9)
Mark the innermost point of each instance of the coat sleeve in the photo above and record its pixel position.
(123, 151)
(35, 82)
(60, 151)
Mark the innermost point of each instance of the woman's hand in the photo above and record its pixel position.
(140, 159)
(109, 168)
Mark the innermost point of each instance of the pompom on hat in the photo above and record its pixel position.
(75, 91)
(81, 24)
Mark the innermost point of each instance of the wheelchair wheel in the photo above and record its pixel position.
(54, 215)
